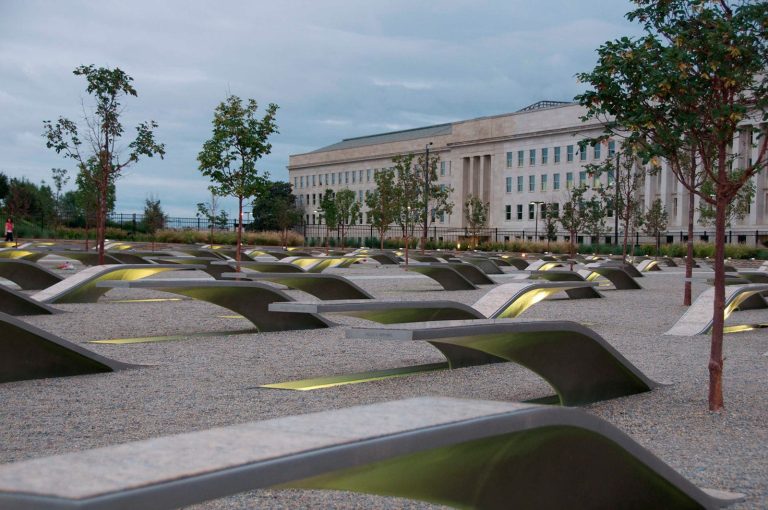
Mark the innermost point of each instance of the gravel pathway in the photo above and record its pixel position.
(195, 382)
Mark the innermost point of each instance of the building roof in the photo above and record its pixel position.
(392, 136)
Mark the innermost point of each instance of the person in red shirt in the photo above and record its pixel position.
(9, 229)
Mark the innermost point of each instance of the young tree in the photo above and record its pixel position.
(696, 79)
(655, 222)
(408, 189)
(208, 210)
(88, 197)
(329, 213)
(286, 215)
(348, 210)
(382, 203)
(229, 157)
(437, 202)
(60, 179)
(596, 216)
(574, 216)
(551, 217)
(154, 217)
(102, 134)
(476, 215)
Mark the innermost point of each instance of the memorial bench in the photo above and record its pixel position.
(504, 301)
(31, 255)
(14, 302)
(27, 352)
(322, 286)
(82, 287)
(249, 299)
(463, 453)
(448, 277)
(697, 320)
(28, 275)
(618, 276)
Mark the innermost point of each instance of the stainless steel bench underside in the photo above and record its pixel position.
(463, 453)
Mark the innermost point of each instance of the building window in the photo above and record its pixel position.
(544, 156)
(519, 183)
(611, 148)
(556, 182)
(360, 195)
(519, 211)
(569, 153)
(360, 176)
(531, 211)
(509, 184)
(555, 208)
(353, 176)
(346, 177)
(313, 181)
(674, 207)
(295, 182)
(544, 182)
(568, 180)
(557, 155)
(301, 181)
(583, 153)
(509, 160)
(532, 157)
(508, 212)
(582, 177)
(520, 158)
(333, 179)
(531, 183)
(314, 199)
(442, 168)
(596, 150)
(368, 175)
(611, 178)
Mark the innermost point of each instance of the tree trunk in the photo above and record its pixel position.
(239, 232)
(101, 228)
(626, 236)
(406, 252)
(689, 253)
(327, 240)
(716, 347)
(381, 239)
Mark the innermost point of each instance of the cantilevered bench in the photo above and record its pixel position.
(648, 265)
(427, 259)
(697, 320)
(751, 276)
(487, 265)
(577, 362)
(81, 287)
(28, 275)
(505, 301)
(462, 453)
(14, 302)
(472, 272)
(31, 255)
(517, 262)
(543, 265)
(213, 266)
(249, 299)
(385, 259)
(629, 268)
(27, 352)
(448, 277)
(322, 286)
(87, 258)
(272, 267)
(319, 264)
(618, 276)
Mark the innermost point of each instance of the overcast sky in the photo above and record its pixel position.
(336, 68)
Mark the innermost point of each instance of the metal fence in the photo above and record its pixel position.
(358, 234)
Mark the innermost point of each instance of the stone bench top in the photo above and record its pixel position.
(176, 470)
(698, 318)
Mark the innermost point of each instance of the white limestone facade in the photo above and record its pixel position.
(512, 161)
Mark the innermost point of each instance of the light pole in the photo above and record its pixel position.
(536, 205)
(616, 201)
(426, 198)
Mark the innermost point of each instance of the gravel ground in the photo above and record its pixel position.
(194, 382)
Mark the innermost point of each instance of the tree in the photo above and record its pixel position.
(408, 190)
(60, 179)
(229, 157)
(574, 216)
(655, 222)
(154, 217)
(275, 194)
(102, 135)
(476, 216)
(737, 210)
(88, 198)
(208, 210)
(382, 203)
(437, 202)
(596, 215)
(329, 213)
(694, 81)
(551, 217)
(286, 215)
(348, 210)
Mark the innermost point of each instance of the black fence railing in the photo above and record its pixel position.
(358, 234)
